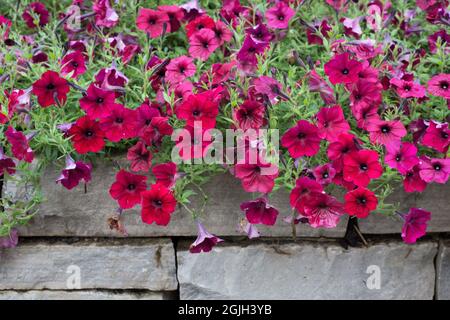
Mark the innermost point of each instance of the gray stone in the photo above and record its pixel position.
(443, 271)
(434, 199)
(76, 213)
(146, 265)
(82, 295)
(307, 271)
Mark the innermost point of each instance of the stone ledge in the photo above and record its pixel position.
(150, 266)
(443, 271)
(83, 295)
(307, 271)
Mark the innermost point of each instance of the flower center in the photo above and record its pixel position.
(152, 21)
(345, 71)
(325, 175)
(131, 187)
(281, 17)
(444, 135)
(99, 100)
(385, 129)
(444, 85)
(157, 203)
(301, 135)
(407, 88)
(89, 133)
(50, 86)
(119, 120)
(205, 45)
(75, 64)
(363, 167)
(437, 166)
(195, 113)
(398, 157)
(362, 200)
(147, 122)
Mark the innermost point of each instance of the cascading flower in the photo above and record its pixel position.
(20, 147)
(412, 181)
(303, 187)
(415, 224)
(158, 204)
(322, 210)
(205, 241)
(159, 127)
(258, 177)
(258, 211)
(73, 173)
(165, 174)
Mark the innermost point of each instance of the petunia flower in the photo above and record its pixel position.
(74, 172)
(302, 140)
(322, 210)
(258, 177)
(366, 115)
(360, 167)
(158, 204)
(318, 84)
(165, 174)
(258, 211)
(105, 15)
(360, 202)
(441, 36)
(49, 87)
(159, 127)
(439, 85)
(270, 87)
(128, 189)
(153, 22)
(7, 165)
(365, 93)
(222, 32)
(111, 79)
(194, 143)
(434, 170)
(144, 115)
(345, 144)
(198, 108)
(408, 89)
(179, 69)
(74, 63)
(312, 33)
(97, 102)
(202, 22)
(279, 15)
(249, 50)
(249, 115)
(402, 157)
(387, 133)
(249, 229)
(412, 181)
(437, 136)
(119, 124)
(324, 174)
(20, 147)
(86, 135)
(205, 241)
(202, 44)
(415, 224)
(175, 14)
(5, 26)
(140, 157)
(342, 69)
(331, 123)
(259, 34)
(35, 8)
(303, 187)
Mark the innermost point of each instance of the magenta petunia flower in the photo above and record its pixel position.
(302, 140)
(331, 123)
(412, 181)
(364, 94)
(360, 202)
(145, 114)
(249, 115)
(439, 85)
(49, 87)
(317, 84)
(74, 172)
(249, 50)
(128, 189)
(270, 87)
(175, 14)
(159, 127)
(201, 22)
(7, 165)
(342, 69)
(303, 187)
(437, 136)
(5, 26)
(205, 241)
(260, 34)
(360, 167)
(140, 157)
(35, 8)
(442, 36)
(198, 108)
(258, 177)
(313, 36)
(165, 174)
(434, 170)
(202, 44)
(324, 174)
(97, 102)
(153, 22)
(20, 147)
(387, 133)
(415, 224)
(408, 89)
(74, 63)
(105, 15)
(111, 79)
(279, 15)
(258, 211)
(345, 144)
(120, 123)
(179, 69)
(402, 157)
(322, 210)
(222, 32)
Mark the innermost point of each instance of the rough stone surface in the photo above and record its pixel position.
(435, 199)
(82, 295)
(146, 265)
(308, 271)
(443, 272)
(76, 213)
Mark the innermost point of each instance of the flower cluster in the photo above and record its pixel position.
(361, 103)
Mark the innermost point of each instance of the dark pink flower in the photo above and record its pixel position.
(345, 144)
(153, 22)
(444, 38)
(202, 44)
(360, 202)
(249, 50)
(6, 164)
(20, 147)
(303, 187)
(331, 123)
(223, 33)
(437, 136)
(127, 189)
(179, 69)
(165, 174)
(322, 210)
(258, 211)
(317, 84)
(365, 94)
(159, 127)
(434, 170)
(38, 9)
(175, 14)
(302, 140)
(74, 172)
(360, 167)
(73, 63)
(415, 225)
(120, 123)
(342, 69)
(324, 174)
(259, 34)
(140, 157)
(278, 16)
(408, 89)
(249, 115)
(97, 102)
(5, 26)
(258, 177)
(105, 15)
(387, 133)
(49, 87)
(202, 22)
(440, 85)
(205, 241)
(402, 157)
(270, 87)
(144, 115)
(413, 182)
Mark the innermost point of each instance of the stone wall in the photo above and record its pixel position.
(70, 237)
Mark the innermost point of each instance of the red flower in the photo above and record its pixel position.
(128, 188)
(158, 204)
(345, 144)
(140, 157)
(19, 145)
(331, 123)
(440, 86)
(387, 133)
(365, 94)
(165, 173)
(144, 116)
(48, 86)
(437, 136)
(5, 26)
(302, 140)
(159, 127)
(119, 124)
(415, 225)
(199, 23)
(6, 164)
(193, 143)
(413, 182)
(202, 44)
(223, 33)
(38, 9)
(73, 173)
(259, 177)
(259, 211)
(73, 62)
(97, 102)
(249, 115)
(362, 166)
(322, 210)
(87, 136)
(317, 84)
(342, 69)
(152, 22)
(360, 202)
(303, 187)
(199, 108)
